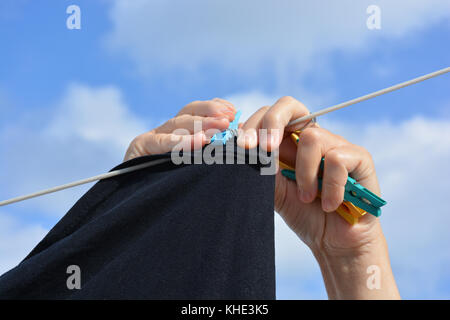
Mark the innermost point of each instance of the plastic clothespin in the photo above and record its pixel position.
(346, 210)
(363, 198)
(359, 196)
(355, 194)
(230, 132)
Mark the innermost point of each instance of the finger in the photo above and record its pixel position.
(193, 124)
(334, 178)
(151, 143)
(226, 103)
(313, 144)
(276, 119)
(288, 149)
(208, 108)
(339, 163)
(248, 133)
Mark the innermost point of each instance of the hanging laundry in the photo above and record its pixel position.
(164, 232)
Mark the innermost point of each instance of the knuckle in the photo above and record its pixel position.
(221, 101)
(311, 136)
(194, 106)
(331, 182)
(287, 99)
(339, 137)
(138, 141)
(366, 153)
(215, 103)
(142, 142)
(188, 108)
(370, 163)
(173, 122)
(214, 106)
(158, 141)
(181, 131)
(334, 157)
(272, 117)
(182, 117)
(264, 109)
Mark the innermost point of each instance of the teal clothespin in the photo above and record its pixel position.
(354, 193)
(224, 136)
(363, 198)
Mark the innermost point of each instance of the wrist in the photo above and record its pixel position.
(362, 273)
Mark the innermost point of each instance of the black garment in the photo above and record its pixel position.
(165, 232)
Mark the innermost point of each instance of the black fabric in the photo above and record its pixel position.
(165, 232)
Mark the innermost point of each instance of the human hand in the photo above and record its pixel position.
(181, 131)
(343, 251)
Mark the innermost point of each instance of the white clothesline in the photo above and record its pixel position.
(293, 122)
(369, 96)
(84, 181)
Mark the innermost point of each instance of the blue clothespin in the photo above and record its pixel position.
(354, 193)
(224, 136)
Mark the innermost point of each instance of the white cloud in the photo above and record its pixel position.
(297, 274)
(84, 134)
(412, 162)
(97, 116)
(249, 102)
(287, 36)
(412, 159)
(16, 240)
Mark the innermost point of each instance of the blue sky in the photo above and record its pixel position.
(71, 100)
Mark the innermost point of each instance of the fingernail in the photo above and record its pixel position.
(326, 206)
(306, 196)
(209, 134)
